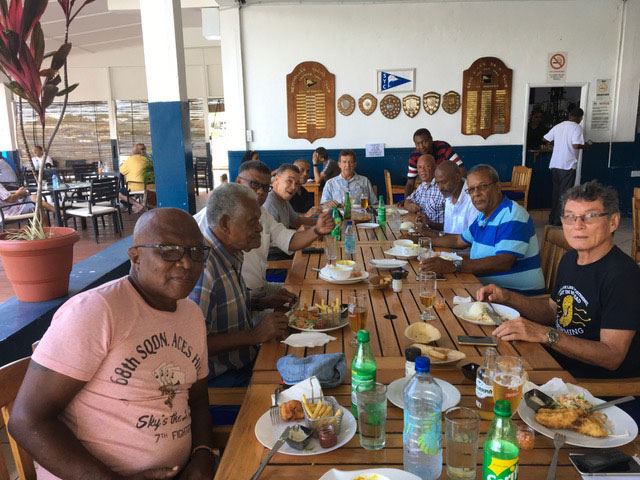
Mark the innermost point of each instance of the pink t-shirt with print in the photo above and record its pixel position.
(139, 363)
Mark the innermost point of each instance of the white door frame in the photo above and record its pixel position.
(584, 95)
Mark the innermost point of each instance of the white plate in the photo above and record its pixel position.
(268, 434)
(462, 310)
(387, 263)
(364, 275)
(401, 211)
(450, 394)
(451, 256)
(620, 420)
(369, 474)
(395, 253)
(343, 323)
(367, 225)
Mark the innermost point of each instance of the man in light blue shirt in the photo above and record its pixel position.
(348, 181)
(504, 247)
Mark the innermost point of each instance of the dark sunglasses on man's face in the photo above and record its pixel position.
(255, 186)
(174, 253)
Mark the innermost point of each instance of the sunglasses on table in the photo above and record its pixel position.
(587, 218)
(257, 185)
(174, 253)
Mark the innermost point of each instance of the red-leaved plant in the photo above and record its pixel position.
(22, 53)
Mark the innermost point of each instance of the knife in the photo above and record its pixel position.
(612, 402)
(273, 451)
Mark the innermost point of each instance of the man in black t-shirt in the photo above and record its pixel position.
(590, 324)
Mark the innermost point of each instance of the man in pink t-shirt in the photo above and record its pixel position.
(117, 386)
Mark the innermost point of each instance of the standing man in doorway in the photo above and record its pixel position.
(567, 138)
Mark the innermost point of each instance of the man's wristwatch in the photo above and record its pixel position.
(458, 265)
(442, 234)
(316, 164)
(552, 337)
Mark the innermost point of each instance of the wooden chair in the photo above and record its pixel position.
(554, 246)
(11, 377)
(224, 396)
(391, 189)
(635, 241)
(519, 185)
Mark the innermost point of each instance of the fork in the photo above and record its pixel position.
(558, 442)
(274, 412)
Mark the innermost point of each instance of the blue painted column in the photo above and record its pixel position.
(168, 103)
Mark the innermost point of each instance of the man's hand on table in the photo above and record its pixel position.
(153, 474)
(522, 329)
(325, 223)
(273, 326)
(438, 265)
(493, 293)
(202, 466)
(279, 299)
(330, 204)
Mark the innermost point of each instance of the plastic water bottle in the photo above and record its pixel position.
(350, 239)
(501, 451)
(422, 434)
(55, 182)
(363, 367)
(382, 212)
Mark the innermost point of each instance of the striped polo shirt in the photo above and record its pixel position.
(508, 230)
(441, 151)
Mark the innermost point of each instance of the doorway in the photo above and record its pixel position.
(546, 106)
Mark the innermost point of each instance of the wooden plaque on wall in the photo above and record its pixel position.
(486, 97)
(311, 100)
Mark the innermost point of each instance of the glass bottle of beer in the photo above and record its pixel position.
(336, 219)
(382, 212)
(484, 384)
(347, 206)
(501, 451)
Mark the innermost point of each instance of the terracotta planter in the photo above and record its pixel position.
(39, 269)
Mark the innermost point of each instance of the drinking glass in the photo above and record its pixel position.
(425, 248)
(372, 414)
(364, 201)
(331, 247)
(393, 217)
(509, 380)
(357, 313)
(462, 429)
(427, 284)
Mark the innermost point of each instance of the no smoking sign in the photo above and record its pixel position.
(557, 66)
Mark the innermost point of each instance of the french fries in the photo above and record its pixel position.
(318, 410)
(332, 307)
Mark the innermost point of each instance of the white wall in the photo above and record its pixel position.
(440, 40)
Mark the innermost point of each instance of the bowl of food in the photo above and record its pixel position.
(299, 437)
(338, 272)
(379, 282)
(348, 263)
(421, 332)
(325, 413)
(406, 247)
(407, 226)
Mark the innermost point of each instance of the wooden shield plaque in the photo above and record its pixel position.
(346, 104)
(486, 97)
(411, 105)
(451, 102)
(311, 101)
(431, 102)
(390, 106)
(367, 103)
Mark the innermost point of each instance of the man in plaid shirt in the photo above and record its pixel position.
(427, 199)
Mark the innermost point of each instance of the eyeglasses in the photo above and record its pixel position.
(481, 188)
(587, 218)
(255, 186)
(174, 253)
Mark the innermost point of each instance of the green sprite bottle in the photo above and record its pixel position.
(382, 213)
(336, 219)
(501, 450)
(347, 206)
(363, 366)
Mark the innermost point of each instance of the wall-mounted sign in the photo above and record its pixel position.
(486, 97)
(374, 150)
(397, 80)
(557, 66)
(603, 88)
(311, 97)
(601, 115)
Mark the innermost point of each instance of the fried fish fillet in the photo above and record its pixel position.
(589, 426)
(559, 417)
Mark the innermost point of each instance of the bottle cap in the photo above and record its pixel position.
(363, 336)
(348, 222)
(411, 353)
(502, 408)
(423, 365)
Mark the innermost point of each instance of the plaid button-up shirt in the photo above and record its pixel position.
(430, 201)
(225, 302)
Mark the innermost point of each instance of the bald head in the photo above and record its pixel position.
(449, 179)
(159, 222)
(426, 166)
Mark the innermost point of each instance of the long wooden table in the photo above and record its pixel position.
(389, 314)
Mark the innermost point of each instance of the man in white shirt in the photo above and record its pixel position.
(567, 138)
(256, 175)
(39, 155)
(459, 212)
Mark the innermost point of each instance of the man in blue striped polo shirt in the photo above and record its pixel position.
(504, 247)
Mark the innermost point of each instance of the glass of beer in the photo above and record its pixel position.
(357, 312)
(364, 201)
(427, 285)
(508, 381)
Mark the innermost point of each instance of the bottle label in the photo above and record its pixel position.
(409, 369)
(500, 469)
(430, 439)
(358, 378)
(484, 393)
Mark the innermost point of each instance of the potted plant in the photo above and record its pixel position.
(37, 259)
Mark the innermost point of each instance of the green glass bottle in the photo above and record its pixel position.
(501, 450)
(347, 206)
(363, 367)
(382, 212)
(336, 219)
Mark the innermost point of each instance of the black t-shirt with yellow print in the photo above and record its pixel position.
(604, 294)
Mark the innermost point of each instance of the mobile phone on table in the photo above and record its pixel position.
(477, 340)
(610, 462)
(311, 250)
